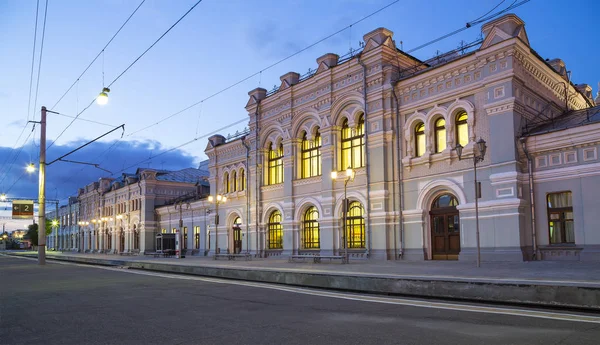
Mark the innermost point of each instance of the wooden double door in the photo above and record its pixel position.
(237, 240)
(445, 234)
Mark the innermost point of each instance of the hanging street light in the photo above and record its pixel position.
(2, 197)
(30, 168)
(102, 98)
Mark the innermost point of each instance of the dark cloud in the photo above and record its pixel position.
(63, 179)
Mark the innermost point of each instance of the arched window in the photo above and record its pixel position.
(353, 144)
(462, 128)
(311, 156)
(233, 181)
(419, 139)
(355, 225)
(275, 165)
(197, 237)
(310, 229)
(242, 179)
(440, 135)
(226, 184)
(275, 239)
(445, 200)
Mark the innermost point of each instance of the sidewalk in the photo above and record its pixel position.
(575, 284)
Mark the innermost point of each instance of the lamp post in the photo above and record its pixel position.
(348, 177)
(478, 156)
(218, 199)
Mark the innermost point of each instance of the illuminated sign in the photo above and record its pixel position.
(22, 209)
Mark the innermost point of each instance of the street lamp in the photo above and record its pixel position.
(2, 197)
(102, 98)
(347, 178)
(219, 199)
(478, 156)
(30, 168)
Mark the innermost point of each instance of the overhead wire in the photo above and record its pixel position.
(127, 69)
(37, 11)
(469, 25)
(37, 87)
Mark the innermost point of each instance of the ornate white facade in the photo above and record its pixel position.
(413, 197)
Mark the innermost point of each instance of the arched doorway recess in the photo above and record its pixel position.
(445, 228)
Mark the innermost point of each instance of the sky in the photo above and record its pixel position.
(216, 46)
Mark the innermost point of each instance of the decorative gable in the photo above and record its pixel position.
(378, 37)
(503, 28)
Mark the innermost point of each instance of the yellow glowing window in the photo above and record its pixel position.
(226, 182)
(353, 145)
(310, 229)
(242, 179)
(275, 239)
(419, 139)
(440, 135)
(311, 156)
(275, 175)
(462, 129)
(233, 181)
(355, 225)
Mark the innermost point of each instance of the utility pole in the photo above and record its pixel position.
(42, 193)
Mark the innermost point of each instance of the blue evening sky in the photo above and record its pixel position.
(218, 44)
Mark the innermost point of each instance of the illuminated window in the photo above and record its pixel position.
(233, 181)
(440, 135)
(275, 165)
(164, 231)
(275, 240)
(419, 139)
(185, 237)
(311, 156)
(226, 184)
(197, 237)
(353, 144)
(560, 218)
(242, 179)
(355, 225)
(462, 129)
(310, 229)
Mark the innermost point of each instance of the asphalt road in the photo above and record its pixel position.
(72, 304)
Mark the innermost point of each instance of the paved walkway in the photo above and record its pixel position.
(544, 272)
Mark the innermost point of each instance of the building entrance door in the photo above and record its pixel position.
(121, 241)
(445, 228)
(237, 240)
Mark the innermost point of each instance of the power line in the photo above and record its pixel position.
(470, 24)
(85, 120)
(37, 11)
(40, 60)
(128, 67)
(266, 68)
(97, 56)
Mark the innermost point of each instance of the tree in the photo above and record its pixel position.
(32, 232)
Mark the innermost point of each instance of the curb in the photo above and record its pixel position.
(542, 294)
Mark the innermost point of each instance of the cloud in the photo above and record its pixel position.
(63, 179)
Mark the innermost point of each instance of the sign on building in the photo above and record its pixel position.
(22, 209)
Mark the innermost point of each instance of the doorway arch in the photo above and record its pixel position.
(445, 228)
